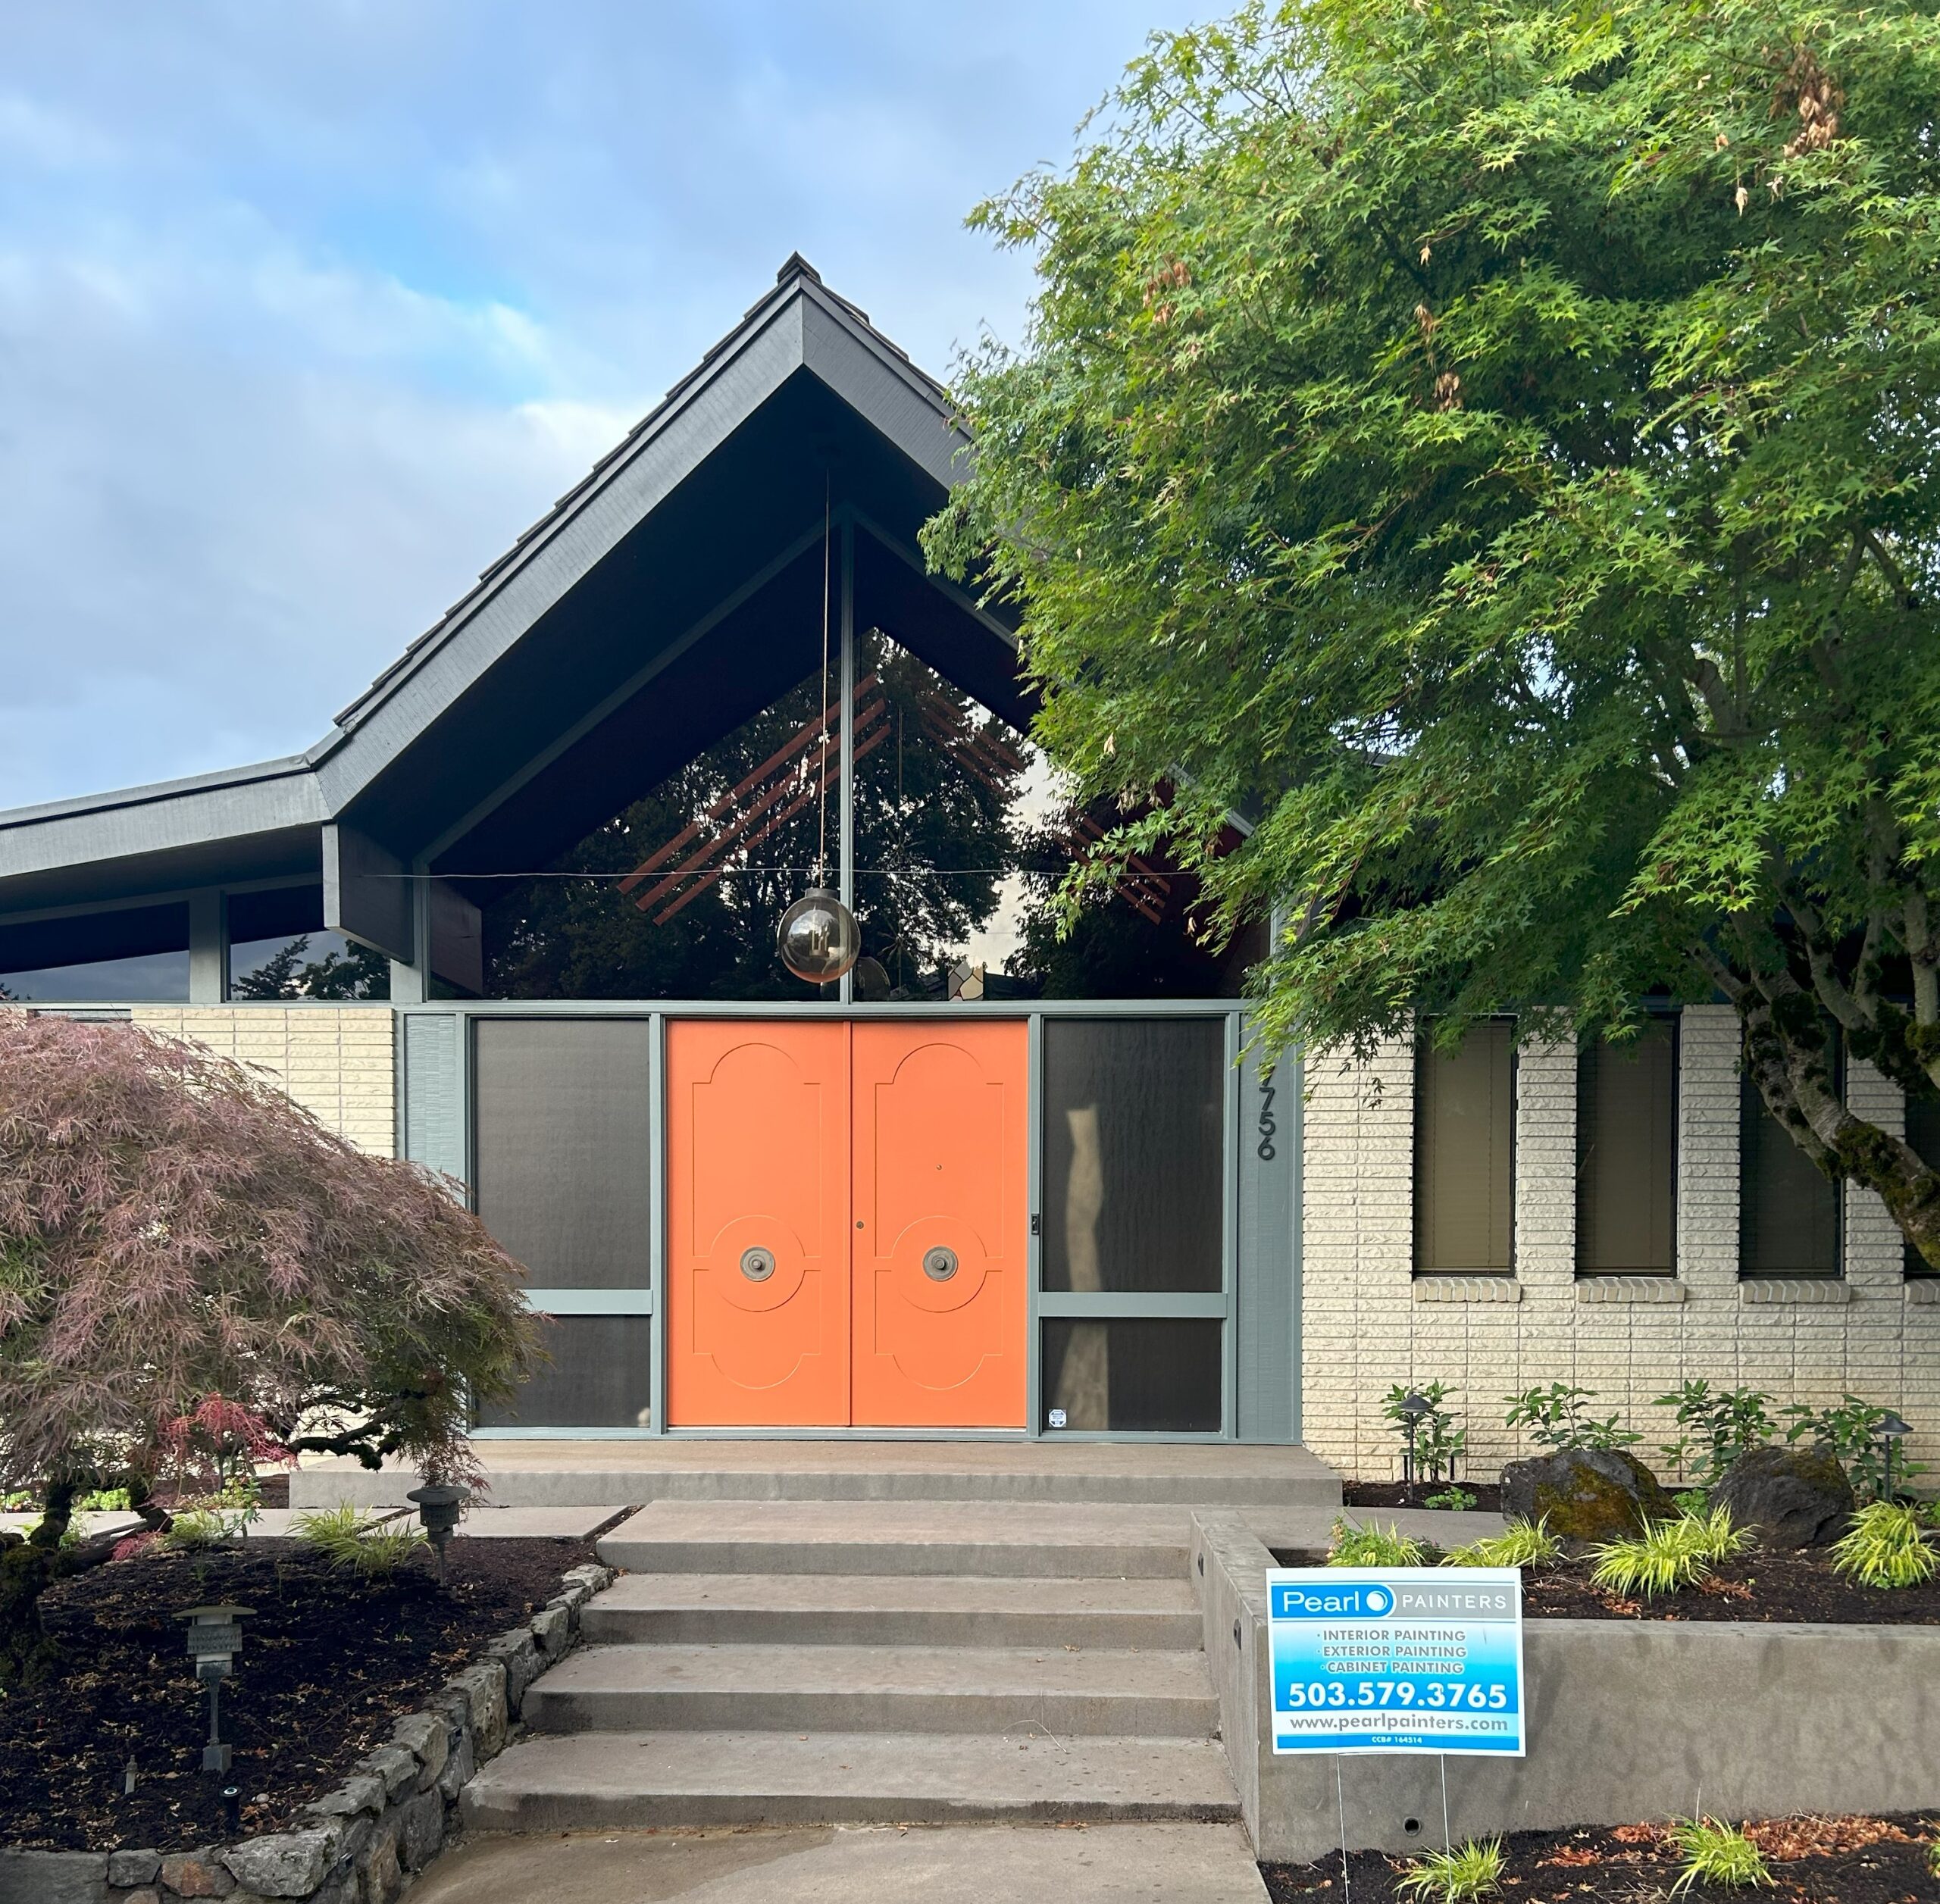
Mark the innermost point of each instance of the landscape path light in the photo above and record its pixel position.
(438, 1507)
(1415, 1406)
(1893, 1429)
(215, 1637)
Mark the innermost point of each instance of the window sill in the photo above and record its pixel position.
(1467, 1289)
(1800, 1289)
(1923, 1290)
(1630, 1288)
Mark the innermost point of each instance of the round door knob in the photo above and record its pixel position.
(757, 1265)
(940, 1263)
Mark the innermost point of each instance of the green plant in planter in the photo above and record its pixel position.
(1457, 1500)
(1555, 1418)
(1851, 1431)
(1718, 1426)
(1522, 1543)
(1667, 1555)
(1886, 1546)
(1453, 1877)
(1372, 1546)
(1717, 1854)
(360, 1543)
(1438, 1443)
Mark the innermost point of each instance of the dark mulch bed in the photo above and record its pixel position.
(328, 1662)
(1488, 1496)
(1774, 1585)
(1813, 1861)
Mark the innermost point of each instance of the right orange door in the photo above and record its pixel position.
(940, 1243)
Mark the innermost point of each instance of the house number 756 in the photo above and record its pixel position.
(1269, 1128)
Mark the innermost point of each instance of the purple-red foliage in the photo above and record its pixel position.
(173, 1228)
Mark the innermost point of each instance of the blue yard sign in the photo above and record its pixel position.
(1397, 1658)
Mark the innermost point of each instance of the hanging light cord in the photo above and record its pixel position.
(822, 811)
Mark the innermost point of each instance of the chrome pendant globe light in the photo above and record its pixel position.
(818, 939)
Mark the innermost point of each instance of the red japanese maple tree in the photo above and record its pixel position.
(173, 1227)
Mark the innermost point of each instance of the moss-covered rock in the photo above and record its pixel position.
(1794, 1497)
(1588, 1494)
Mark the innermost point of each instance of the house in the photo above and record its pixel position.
(925, 1201)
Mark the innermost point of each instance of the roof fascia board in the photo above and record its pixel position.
(519, 593)
(895, 398)
(159, 819)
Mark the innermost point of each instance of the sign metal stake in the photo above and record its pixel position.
(1340, 1802)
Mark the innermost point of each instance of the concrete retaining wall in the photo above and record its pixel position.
(1629, 1720)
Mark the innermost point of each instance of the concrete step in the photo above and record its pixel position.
(575, 1474)
(971, 1863)
(976, 1537)
(836, 1609)
(877, 1689)
(619, 1781)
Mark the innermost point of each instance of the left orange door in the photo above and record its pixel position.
(758, 1189)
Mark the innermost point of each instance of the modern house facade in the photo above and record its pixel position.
(922, 1203)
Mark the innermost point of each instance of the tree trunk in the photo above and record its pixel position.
(1785, 1055)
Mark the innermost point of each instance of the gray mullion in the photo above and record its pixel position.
(1229, 1154)
(589, 1302)
(1159, 1304)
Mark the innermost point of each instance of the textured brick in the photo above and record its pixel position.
(336, 1060)
(1362, 1331)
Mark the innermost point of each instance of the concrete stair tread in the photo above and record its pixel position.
(1001, 1523)
(613, 1780)
(931, 1670)
(870, 1593)
(564, 1473)
(982, 1537)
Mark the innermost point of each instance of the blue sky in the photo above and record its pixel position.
(305, 310)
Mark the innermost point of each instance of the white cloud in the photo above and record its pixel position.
(306, 313)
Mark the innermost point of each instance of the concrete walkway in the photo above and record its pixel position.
(1139, 1864)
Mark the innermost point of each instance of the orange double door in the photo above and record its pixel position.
(847, 1238)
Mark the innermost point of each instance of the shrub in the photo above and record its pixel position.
(1453, 1877)
(1555, 1418)
(1457, 1499)
(1718, 1427)
(1886, 1546)
(1851, 1431)
(1522, 1543)
(1372, 1546)
(367, 1545)
(173, 1232)
(194, 1530)
(1668, 1555)
(1717, 1854)
(1438, 1443)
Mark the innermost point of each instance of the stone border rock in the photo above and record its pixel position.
(364, 1841)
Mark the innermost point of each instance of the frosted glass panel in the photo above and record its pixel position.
(600, 1376)
(1134, 1155)
(1154, 1375)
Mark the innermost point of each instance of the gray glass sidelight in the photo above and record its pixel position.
(1626, 1155)
(563, 1146)
(1134, 1180)
(1923, 1135)
(600, 1376)
(1149, 1374)
(1790, 1219)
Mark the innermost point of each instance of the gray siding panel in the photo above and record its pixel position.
(1267, 1298)
(433, 1096)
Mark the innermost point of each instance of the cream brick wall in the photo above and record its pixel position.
(1368, 1322)
(338, 1061)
